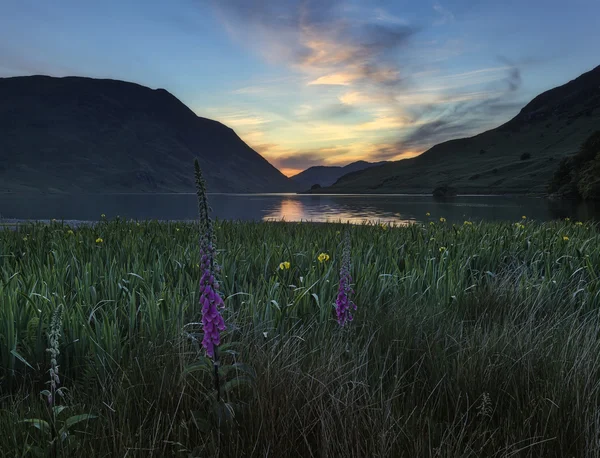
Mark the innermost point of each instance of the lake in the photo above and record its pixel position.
(293, 207)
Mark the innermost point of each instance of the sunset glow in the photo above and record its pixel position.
(317, 83)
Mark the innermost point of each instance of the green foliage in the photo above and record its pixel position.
(580, 175)
(470, 340)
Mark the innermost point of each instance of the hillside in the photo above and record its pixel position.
(88, 135)
(327, 175)
(520, 156)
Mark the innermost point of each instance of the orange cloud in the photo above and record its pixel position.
(341, 79)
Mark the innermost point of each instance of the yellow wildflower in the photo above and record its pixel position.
(102, 216)
(523, 217)
(323, 257)
(284, 265)
(567, 219)
(442, 249)
(431, 223)
(468, 223)
(565, 238)
(578, 223)
(99, 240)
(442, 220)
(427, 214)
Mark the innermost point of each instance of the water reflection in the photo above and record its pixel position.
(396, 209)
(330, 209)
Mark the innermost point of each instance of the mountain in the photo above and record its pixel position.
(519, 157)
(95, 135)
(324, 175)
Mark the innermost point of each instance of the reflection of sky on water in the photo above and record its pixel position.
(296, 210)
(290, 207)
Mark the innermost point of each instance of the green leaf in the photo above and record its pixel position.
(42, 425)
(20, 358)
(237, 367)
(58, 409)
(71, 421)
(228, 346)
(236, 382)
(203, 365)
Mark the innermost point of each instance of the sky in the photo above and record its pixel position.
(317, 82)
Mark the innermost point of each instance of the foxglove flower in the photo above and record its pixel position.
(343, 303)
(210, 299)
(54, 350)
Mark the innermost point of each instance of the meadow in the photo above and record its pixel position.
(472, 340)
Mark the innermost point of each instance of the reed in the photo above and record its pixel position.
(468, 340)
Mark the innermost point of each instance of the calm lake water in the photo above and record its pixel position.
(292, 207)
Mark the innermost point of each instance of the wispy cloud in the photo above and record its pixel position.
(321, 39)
(363, 64)
(444, 13)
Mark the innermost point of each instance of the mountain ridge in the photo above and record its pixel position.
(326, 175)
(519, 156)
(80, 134)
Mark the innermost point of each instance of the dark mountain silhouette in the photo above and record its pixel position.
(90, 135)
(520, 156)
(327, 175)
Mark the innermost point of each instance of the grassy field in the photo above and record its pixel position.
(474, 340)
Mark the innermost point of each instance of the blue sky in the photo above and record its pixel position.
(308, 82)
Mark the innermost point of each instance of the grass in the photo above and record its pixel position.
(473, 340)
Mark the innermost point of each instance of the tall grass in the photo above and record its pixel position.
(469, 341)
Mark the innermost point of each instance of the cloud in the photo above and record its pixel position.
(446, 15)
(321, 39)
(461, 119)
(513, 79)
(375, 83)
(294, 163)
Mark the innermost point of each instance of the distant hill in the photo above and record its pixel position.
(89, 135)
(520, 156)
(327, 175)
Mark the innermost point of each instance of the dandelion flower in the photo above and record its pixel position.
(284, 265)
(468, 223)
(427, 214)
(442, 249)
(99, 240)
(565, 238)
(442, 220)
(323, 257)
(578, 223)
(431, 223)
(523, 217)
(102, 216)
